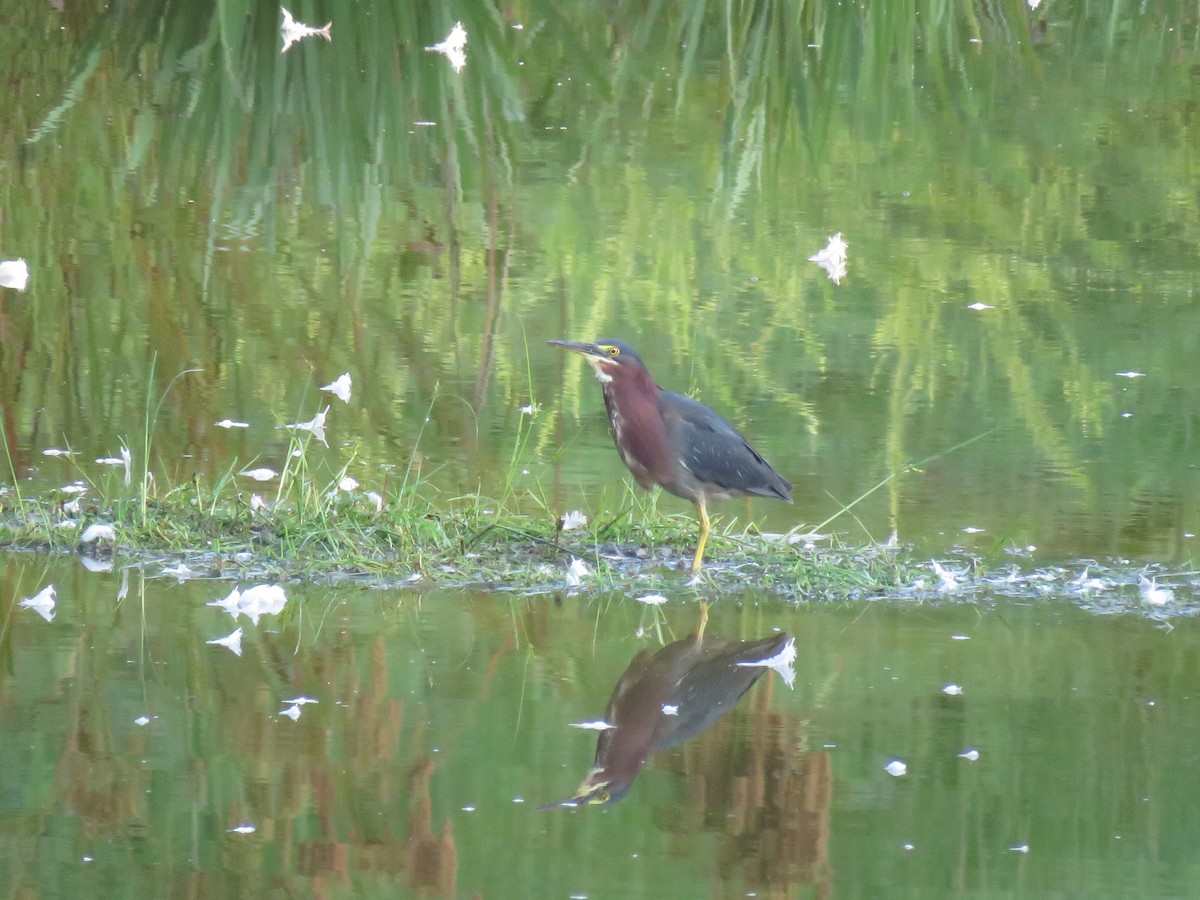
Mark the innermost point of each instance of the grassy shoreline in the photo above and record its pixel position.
(315, 521)
(469, 541)
(410, 541)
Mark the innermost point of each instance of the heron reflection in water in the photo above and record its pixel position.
(665, 698)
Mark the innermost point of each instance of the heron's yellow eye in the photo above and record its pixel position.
(614, 351)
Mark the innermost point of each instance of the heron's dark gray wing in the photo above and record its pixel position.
(714, 683)
(716, 453)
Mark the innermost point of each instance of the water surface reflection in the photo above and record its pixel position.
(667, 697)
(139, 760)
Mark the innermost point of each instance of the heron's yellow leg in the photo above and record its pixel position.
(705, 527)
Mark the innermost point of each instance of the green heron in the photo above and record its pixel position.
(674, 442)
(668, 697)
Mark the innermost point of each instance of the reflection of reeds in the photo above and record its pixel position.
(432, 860)
(769, 801)
(96, 780)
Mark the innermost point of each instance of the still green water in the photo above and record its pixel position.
(191, 200)
(442, 721)
(215, 229)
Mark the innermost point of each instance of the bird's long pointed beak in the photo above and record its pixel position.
(596, 355)
(587, 348)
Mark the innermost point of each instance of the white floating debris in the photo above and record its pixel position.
(142, 721)
(947, 581)
(42, 602)
(970, 755)
(1085, 583)
(531, 410)
(294, 31)
(301, 700)
(245, 828)
(979, 307)
(232, 641)
(1153, 594)
(377, 499)
(96, 565)
(781, 662)
(597, 725)
(98, 531)
(262, 600)
(54, 451)
(125, 459)
(181, 571)
(74, 488)
(229, 423)
(262, 474)
(1019, 848)
(832, 258)
(14, 273)
(315, 425)
(258, 504)
(340, 388)
(574, 519)
(348, 484)
(454, 47)
(954, 690)
(896, 768)
(960, 637)
(652, 599)
(1131, 374)
(231, 603)
(971, 529)
(670, 709)
(292, 712)
(576, 572)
